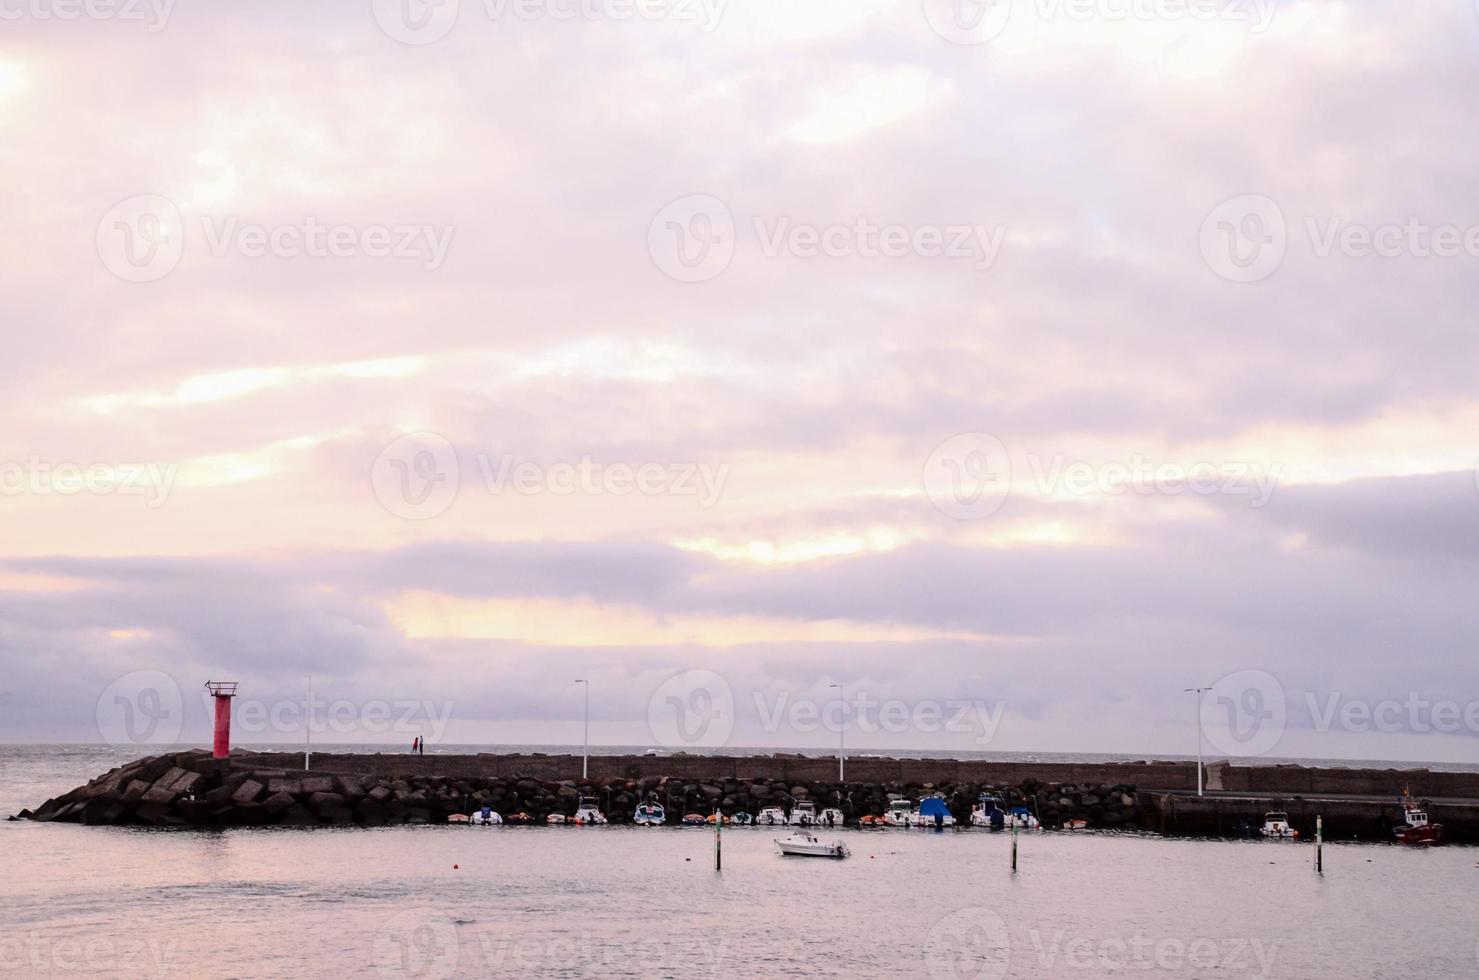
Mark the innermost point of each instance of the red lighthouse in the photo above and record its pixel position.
(223, 692)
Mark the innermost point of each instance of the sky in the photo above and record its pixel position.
(926, 375)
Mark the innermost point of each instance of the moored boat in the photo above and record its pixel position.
(803, 843)
(485, 817)
(1276, 826)
(933, 814)
(1417, 828)
(587, 813)
(831, 817)
(989, 811)
(900, 814)
(742, 819)
(694, 819)
(649, 814)
(771, 816)
(803, 814)
(1021, 817)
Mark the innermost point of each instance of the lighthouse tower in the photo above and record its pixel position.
(223, 692)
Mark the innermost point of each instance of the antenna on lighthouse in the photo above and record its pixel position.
(223, 692)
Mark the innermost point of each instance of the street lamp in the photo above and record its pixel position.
(585, 742)
(308, 724)
(841, 731)
(1198, 691)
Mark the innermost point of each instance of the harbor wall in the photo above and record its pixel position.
(1263, 780)
(374, 789)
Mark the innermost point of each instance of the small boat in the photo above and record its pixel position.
(1276, 826)
(650, 814)
(804, 843)
(803, 814)
(457, 818)
(711, 819)
(900, 814)
(872, 822)
(1021, 818)
(742, 819)
(1077, 823)
(831, 817)
(1418, 829)
(587, 814)
(990, 811)
(519, 818)
(933, 814)
(694, 819)
(557, 818)
(485, 817)
(771, 816)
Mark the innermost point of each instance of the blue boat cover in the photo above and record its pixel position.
(933, 806)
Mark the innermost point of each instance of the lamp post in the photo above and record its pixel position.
(308, 724)
(1199, 691)
(585, 743)
(841, 732)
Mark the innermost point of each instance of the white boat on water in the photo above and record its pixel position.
(1022, 818)
(649, 814)
(1276, 825)
(587, 813)
(831, 817)
(771, 816)
(991, 811)
(485, 817)
(803, 814)
(900, 814)
(803, 843)
(932, 813)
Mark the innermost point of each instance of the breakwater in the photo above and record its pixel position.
(193, 789)
(375, 789)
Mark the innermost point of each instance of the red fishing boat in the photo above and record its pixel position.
(1418, 829)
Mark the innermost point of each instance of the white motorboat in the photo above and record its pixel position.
(771, 816)
(991, 812)
(803, 814)
(900, 814)
(803, 843)
(587, 813)
(1276, 825)
(831, 817)
(485, 818)
(1022, 818)
(650, 814)
(933, 813)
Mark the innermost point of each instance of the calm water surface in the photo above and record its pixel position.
(619, 901)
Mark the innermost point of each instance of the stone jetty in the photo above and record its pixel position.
(192, 789)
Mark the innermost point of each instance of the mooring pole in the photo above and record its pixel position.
(1320, 845)
(1014, 848)
(718, 845)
